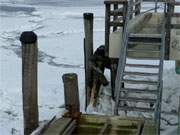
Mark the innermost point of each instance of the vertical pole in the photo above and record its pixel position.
(88, 52)
(29, 81)
(179, 117)
(156, 6)
(125, 6)
(170, 11)
(138, 7)
(107, 28)
(132, 9)
(113, 77)
(71, 92)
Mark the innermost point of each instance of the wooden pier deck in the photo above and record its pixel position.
(100, 125)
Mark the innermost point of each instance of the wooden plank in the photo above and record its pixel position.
(69, 130)
(142, 66)
(58, 127)
(140, 73)
(29, 81)
(134, 99)
(149, 128)
(138, 109)
(115, 1)
(97, 124)
(142, 35)
(105, 128)
(132, 90)
(130, 81)
(115, 120)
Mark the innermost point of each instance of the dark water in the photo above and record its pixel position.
(64, 3)
(16, 5)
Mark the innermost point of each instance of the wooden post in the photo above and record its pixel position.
(29, 81)
(71, 92)
(132, 9)
(107, 28)
(125, 6)
(113, 70)
(138, 7)
(88, 52)
(170, 11)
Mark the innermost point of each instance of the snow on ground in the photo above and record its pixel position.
(60, 32)
(59, 26)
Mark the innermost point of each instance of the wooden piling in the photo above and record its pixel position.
(71, 92)
(107, 28)
(170, 11)
(113, 70)
(29, 81)
(88, 52)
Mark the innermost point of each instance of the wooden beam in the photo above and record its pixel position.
(115, 1)
(58, 127)
(106, 127)
(69, 130)
(88, 52)
(29, 81)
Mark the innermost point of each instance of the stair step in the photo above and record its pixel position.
(141, 73)
(145, 91)
(142, 66)
(145, 38)
(132, 99)
(139, 109)
(140, 82)
(133, 35)
(138, 43)
(143, 50)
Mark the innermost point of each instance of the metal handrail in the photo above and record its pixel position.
(122, 57)
(160, 86)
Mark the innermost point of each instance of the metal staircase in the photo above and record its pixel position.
(133, 79)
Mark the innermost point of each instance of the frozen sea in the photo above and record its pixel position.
(59, 26)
